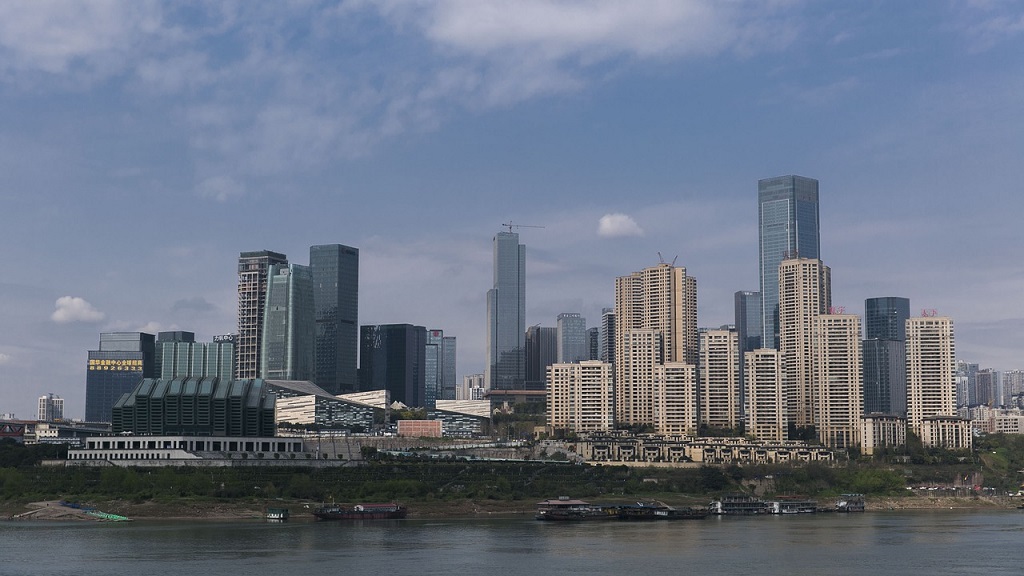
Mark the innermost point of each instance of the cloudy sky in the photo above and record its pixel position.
(144, 144)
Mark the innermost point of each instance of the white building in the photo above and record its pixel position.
(765, 407)
(838, 396)
(720, 379)
(931, 369)
(580, 396)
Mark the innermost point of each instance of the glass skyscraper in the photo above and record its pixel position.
(336, 301)
(572, 338)
(886, 318)
(787, 228)
(287, 352)
(123, 360)
(252, 296)
(884, 353)
(506, 315)
(393, 358)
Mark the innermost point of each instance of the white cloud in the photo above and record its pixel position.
(617, 226)
(4, 358)
(74, 309)
(220, 188)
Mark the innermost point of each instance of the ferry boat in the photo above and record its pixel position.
(389, 511)
(659, 511)
(277, 514)
(569, 510)
(792, 506)
(738, 505)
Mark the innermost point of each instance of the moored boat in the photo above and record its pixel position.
(277, 514)
(567, 509)
(389, 511)
(659, 511)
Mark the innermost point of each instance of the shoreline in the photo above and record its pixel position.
(187, 510)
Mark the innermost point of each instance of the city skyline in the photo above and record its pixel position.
(414, 131)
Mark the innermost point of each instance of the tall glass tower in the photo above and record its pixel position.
(287, 351)
(787, 228)
(336, 302)
(506, 315)
(884, 355)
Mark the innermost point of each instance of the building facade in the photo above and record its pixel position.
(178, 355)
(580, 397)
(931, 369)
(288, 336)
(838, 380)
(123, 360)
(788, 227)
(505, 367)
(719, 379)
(573, 345)
(765, 403)
(335, 269)
(51, 408)
(804, 293)
(884, 352)
(393, 358)
(541, 352)
(253, 268)
(607, 343)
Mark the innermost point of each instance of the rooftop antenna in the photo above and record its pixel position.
(510, 226)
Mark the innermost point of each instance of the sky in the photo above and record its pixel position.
(144, 144)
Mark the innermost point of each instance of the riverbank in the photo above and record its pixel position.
(187, 509)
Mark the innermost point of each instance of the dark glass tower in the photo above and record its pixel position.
(506, 315)
(336, 307)
(541, 352)
(393, 358)
(787, 228)
(288, 329)
(123, 360)
(884, 355)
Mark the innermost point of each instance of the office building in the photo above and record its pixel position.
(593, 343)
(805, 292)
(656, 325)
(931, 369)
(967, 379)
(572, 338)
(253, 268)
(51, 408)
(335, 271)
(440, 367)
(580, 397)
(448, 370)
(178, 355)
(837, 383)
(884, 354)
(123, 360)
(765, 407)
(719, 379)
(787, 228)
(541, 352)
(288, 335)
(506, 315)
(392, 357)
(886, 318)
(748, 319)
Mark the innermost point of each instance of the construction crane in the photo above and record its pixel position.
(510, 226)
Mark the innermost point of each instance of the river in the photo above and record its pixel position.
(874, 543)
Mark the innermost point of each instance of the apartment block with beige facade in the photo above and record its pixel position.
(720, 379)
(838, 397)
(949, 432)
(882, 431)
(765, 407)
(581, 397)
(675, 398)
(931, 369)
(805, 292)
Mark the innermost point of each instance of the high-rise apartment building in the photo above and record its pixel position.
(765, 407)
(51, 408)
(884, 355)
(288, 336)
(335, 269)
(966, 378)
(656, 325)
(506, 315)
(123, 360)
(472, 388)
(719, 379)
(392, 357)
(253, 268)
(787, 228)
(837, 382)
(580, 396)
(931, 369)
(541, 352)
(805, 292)
(572, 338)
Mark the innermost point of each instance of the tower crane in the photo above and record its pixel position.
(510, 226)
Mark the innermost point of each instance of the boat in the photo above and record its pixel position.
(389, 511)
(850, 503)
(565, 509)
(792, 506)
(738, 505)
(659, 511)
(277, 514)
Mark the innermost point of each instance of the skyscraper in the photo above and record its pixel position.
(541, 352)
(392, 357)
(656, 326)
(580, 397)
(252, 296)
(336, 301)
(805, 292)
(765, 407)
(931, 369)
(748, 319)
(288, 329)
(123, 360)
(787, 228)
(837, 382)
(572, 338)
(440, 368)
(719, 379)
(448, 370)
(884, 354)
(607, 343)
(506, 315)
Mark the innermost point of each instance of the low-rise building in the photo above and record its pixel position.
(949, 432)
(882, 431)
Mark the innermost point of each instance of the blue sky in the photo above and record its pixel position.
(143, 145)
